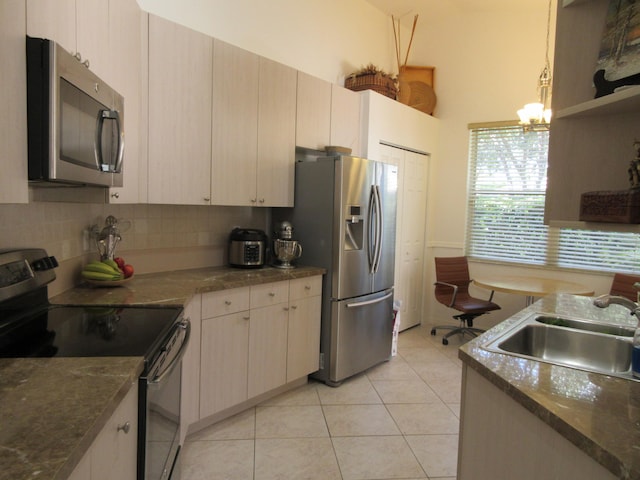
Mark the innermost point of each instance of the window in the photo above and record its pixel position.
(507, 184)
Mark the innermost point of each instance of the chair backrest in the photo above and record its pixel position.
(622, 285)
(453, 270)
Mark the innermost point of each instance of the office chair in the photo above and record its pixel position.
(622, 286)
(452, 290)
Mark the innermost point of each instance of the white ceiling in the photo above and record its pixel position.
(407, 9)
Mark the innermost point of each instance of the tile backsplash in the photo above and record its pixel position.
(63, 228)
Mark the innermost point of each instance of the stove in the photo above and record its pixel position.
(32, 327)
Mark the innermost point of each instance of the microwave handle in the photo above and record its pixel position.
(117, 165)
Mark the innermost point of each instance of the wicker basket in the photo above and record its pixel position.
(610, 206)
(376, 82)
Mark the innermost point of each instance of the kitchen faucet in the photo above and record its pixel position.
(603, 301)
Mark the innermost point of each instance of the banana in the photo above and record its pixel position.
(101, 268)
(101, 276)
(112, 264)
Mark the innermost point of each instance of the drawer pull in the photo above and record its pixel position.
(246, 318)
(294, 307)
(271, 294)
(125, 428)
(227, 302)
(307, 287)
(286, 309)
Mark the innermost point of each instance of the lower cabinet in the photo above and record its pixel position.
(256, 339)
(113, 454)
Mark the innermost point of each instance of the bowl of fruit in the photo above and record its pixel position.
(107, 272)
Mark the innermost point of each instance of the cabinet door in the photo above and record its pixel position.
(410, 231)
(412, 241)
(276, 134)
(190, 387)
(128, 57)
(267, 349)
(345, 119)
(303, 337)
(180, 79)
(235, 125)
(13, 96)
(54, 21)
(313, 119)
(114, 452)
(223, 367)
(92, 36)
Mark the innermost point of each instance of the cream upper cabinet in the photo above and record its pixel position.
(591, 141)
(345, 119)
(13, 123)
(313, 120)
(78, 26)
(253, 141)
(276, 134)
(235, 125)
(180, 79)
(128, 36)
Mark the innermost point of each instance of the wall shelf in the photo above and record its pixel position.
(623, 101)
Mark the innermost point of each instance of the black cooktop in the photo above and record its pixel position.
(85, 331)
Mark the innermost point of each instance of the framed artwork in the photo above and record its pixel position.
(618, 62)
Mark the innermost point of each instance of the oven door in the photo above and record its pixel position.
(159, 410)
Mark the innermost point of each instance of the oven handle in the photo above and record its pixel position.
(186, 325)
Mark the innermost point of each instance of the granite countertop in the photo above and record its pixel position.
(600, 414)
(52, 409)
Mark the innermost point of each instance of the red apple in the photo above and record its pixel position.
(120, 262)
(127, 270)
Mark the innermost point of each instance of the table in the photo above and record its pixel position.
(531, 286)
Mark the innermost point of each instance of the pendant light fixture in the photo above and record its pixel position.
(537, 116)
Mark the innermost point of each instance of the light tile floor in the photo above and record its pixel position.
(397, 420)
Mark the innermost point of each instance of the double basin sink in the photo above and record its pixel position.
(583, 344)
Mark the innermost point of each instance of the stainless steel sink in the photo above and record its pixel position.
(606, 328)
(582, 344)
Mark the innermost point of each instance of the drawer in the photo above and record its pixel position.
(269, 294)
(305, 287)
(224, 302)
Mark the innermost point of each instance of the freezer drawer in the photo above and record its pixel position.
(361, 333)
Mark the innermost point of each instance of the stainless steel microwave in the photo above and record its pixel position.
(75, 120)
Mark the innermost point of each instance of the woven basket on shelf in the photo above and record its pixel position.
(376, 82)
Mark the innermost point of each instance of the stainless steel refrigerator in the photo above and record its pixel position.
(344, 218)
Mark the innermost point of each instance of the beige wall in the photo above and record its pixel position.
(325, 38)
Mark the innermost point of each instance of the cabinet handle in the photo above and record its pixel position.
(125, 428)
(207, 199)
(246, 318)
(253, 200)
(286, 309)
(271, 294)
(307, 287)
(262, 200)
(115, 195)
(78, 56)
(86, 63)
(227, 302)
(294, 307)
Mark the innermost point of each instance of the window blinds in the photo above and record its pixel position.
(506, 195)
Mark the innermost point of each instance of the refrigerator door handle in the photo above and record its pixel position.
(369, 302)
(372, 233)
(379, 228)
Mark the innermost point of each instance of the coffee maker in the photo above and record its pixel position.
(285, 249)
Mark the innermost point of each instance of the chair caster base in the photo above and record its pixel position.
(445, 341)
(433, 332)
